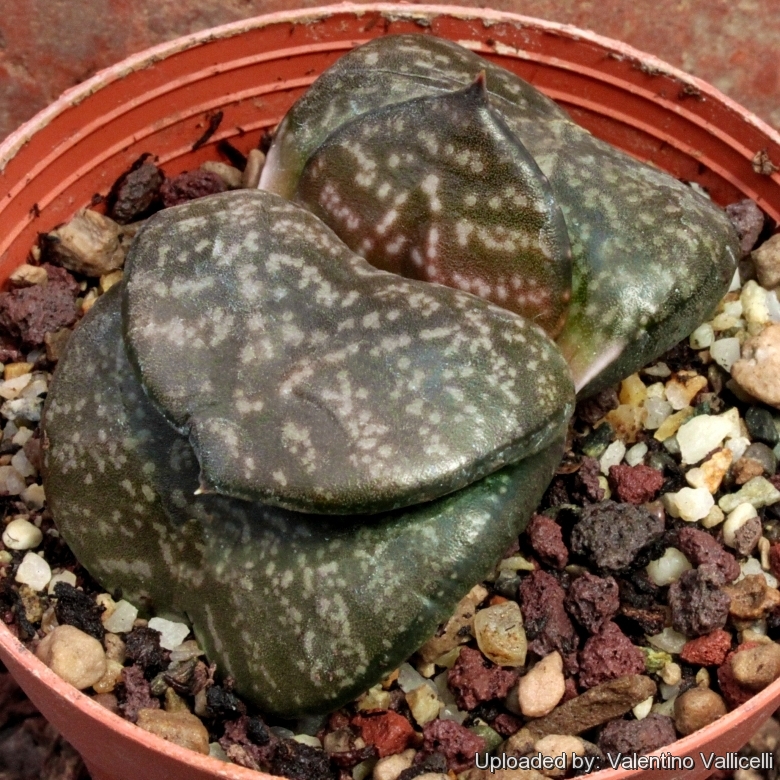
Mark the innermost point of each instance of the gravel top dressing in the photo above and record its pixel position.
(280, 470)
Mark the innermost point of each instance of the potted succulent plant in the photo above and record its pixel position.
(250, 73)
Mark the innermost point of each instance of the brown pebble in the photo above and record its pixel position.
(181, 728)
(751, 598)
(757, 667)
(766, 259)
(758, 371)
(73, 655)
(109, 701)
(255, 161)
(594, 707)
(697, 708)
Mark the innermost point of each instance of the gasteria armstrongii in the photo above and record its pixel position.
(307, 455)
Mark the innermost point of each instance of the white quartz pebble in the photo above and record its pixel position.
(20, 462)
(636, 454)
(63, 576)
(33, 571)
(657, 411)
(122, 618)
(738, 445)
(700, 435)
(21, 534)
(171, 634)
(668, 568)
(702, 337)
(725, 352)
(689, 504)
(612, 456)
(11, 481)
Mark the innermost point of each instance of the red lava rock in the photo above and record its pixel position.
(142, 645)
(708, 650)
(607, 655)
(255, 739)
(457, 743)
(134, 194)
(546, 538)
(734, 694)
(611, 535)
(651, 620)
(774, 559)
(628, 737)
(701, 548)
(592, 600)
(29, 313)
(389, 731)
(748, 219)
(586, 482)
(698, 604)
(137, 693)
(635, 484)
(507, 724)
(189, 186)
(547, 626)
(474, 679)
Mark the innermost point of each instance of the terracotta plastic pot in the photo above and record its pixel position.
(161, 100)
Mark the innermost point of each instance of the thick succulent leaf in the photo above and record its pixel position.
(307, 379)
(305, 612)
(651, 256)
(438, 188)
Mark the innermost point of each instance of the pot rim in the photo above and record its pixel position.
(73, 96)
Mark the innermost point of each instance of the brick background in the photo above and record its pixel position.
(47, 46)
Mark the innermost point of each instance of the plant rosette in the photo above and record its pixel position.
(177, 83)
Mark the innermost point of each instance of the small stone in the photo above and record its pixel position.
(742, 529)
(702, 337)
(726, 352)
(710, 474)
(134, 195)
(556, 745)
(635, 484)
(766, 260)
(745, 469)
(608, 655)
(172, 634)
(500, 634)
(752, 598)
(672, 423)
(28, 275)
(697, 708)
(757, 667)
(748, 219)
(593, 600)
(55, 343)
(546, 539)
(540, 690)
(73, 655)
(632, 391)
(708, 650)
(21, 534)
(33, 496)
(761, 425)
(636, 454)
(683, 387)
(64, 576)
(15, 370)
(764, 455)
(190, 185)
(88, 244)
(658, 412)
(121, 620)
(689, 504)
(459, 746)
(625, 737)
(390, 732)
(758, 371)
(627, 422)
(33, 571)
(457, 630)
(180, 728)
(390, 767)
(593, 708)
(424, 704)
(230, 176)
(255, 161)
(109, 680)
(612, 456)
(697, 603)
(759, 491)
(473, 679)
(668, 568)
(754, 304)
(701, 435)
(714, 517)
